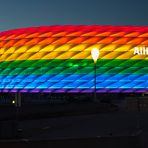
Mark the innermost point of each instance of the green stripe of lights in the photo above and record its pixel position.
(73, 70)
(73, 67)
(72, 62)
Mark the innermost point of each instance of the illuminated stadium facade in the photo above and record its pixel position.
(58, 59)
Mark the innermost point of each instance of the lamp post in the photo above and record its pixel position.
(18, 99)
(95, 55)
(17, 106)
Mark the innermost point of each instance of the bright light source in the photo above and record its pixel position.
(13, 101)
(95, 54)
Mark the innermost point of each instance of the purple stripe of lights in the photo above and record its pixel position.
(75, 90)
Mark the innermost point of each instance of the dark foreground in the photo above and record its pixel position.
(82, 126)
(94, 142)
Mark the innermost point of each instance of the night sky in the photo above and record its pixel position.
(25, 13)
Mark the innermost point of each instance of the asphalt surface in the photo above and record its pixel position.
(119, 123)
(84, 126)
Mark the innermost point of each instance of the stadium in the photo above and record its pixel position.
(57, 59)
(79, 74)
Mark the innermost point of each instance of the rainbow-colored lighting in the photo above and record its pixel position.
(58, 59)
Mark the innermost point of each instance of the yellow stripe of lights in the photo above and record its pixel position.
(69, 51)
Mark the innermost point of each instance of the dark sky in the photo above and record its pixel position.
(25, 13)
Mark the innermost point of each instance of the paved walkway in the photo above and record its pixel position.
(85, 126)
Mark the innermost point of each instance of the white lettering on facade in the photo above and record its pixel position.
(141, 50)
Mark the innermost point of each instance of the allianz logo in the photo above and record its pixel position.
(141, 50)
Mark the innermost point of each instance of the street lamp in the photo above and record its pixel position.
(17, 103)
(95, 55)
(18, 99)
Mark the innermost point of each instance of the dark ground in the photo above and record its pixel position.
(71, 124)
